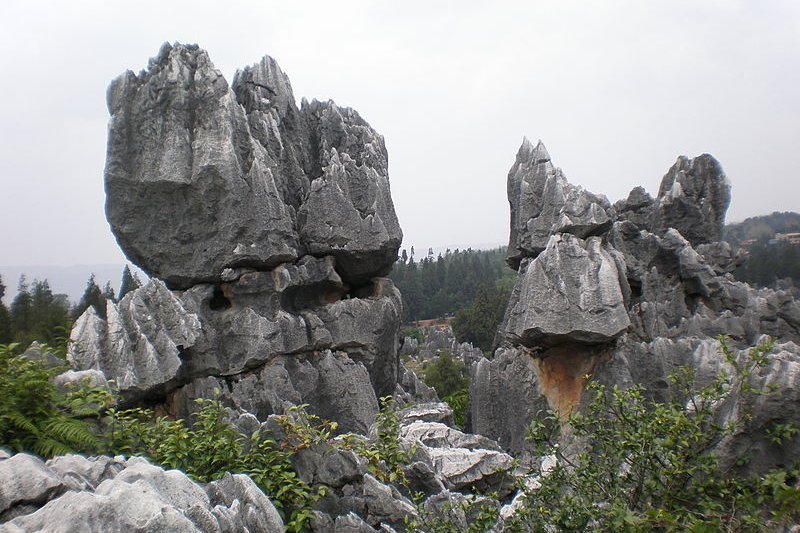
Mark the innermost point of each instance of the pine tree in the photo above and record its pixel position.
(130, 282)
(48, 313)
(5, 317)
(21, 311)
(91, 296)
(108, 292)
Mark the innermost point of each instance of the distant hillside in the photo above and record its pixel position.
(762, 227)
(767, 262)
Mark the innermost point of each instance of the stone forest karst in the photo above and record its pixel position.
(268, 230)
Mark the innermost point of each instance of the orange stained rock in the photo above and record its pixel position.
(562, 374)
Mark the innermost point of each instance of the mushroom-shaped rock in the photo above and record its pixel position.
(570, 293)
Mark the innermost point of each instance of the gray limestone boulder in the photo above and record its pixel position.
(239, 505)
(118, 495)
(26, 480)
(438, 435)
(141, 343)
(201, 177)
(334, 386)
(505, 397)
(571, 292)
(82, 473)
(188, 190)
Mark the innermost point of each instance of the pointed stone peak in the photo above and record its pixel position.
(529, 152)
(267, 84)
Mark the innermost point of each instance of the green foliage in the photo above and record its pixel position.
(385, 457)
(303, 429)
(458, 402)
(437, 286)
(478, 513)
(36, 416)
(446, 374)
(646, 466)
(92, 296)
(767, 263)
(209, 447)
(36, 313)
(5, 317)
(478, 322)
(130, 282)
(414, 333)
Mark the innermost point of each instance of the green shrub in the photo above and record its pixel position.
(385, 457)
(37, 417)
(447, 374)
(458, 402)
(208, 448)
(647, 466)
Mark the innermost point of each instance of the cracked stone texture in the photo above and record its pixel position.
(662, 277)
(202, 176)
(543, 202)
(569, 292)
(111, 495)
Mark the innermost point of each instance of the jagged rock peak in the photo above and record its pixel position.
(543, 202)
(693, 198)
(201, 176)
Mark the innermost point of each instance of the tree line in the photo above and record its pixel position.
(38, 314)
(472, 286)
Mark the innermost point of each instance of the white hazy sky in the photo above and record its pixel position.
(616, 89)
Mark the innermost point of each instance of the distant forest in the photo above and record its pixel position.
(37, 314)
(767, 261)
(472, 286)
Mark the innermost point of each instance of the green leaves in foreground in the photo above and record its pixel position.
(208, 448)
(35, 416)
(646, 466)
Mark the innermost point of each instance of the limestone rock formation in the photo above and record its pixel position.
(266, 227)
(628, 301)
(201, 176)
(544, 203)
(104, 494)
(569, 292)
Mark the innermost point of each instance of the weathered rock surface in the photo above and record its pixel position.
(275, 222)
(693, 198)
(118, 495)
(645, 292)
(569, 292)
(201, 176)
(139, 345)
(544, 203)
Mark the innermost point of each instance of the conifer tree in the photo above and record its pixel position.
(5, 317)
(91, 296)
(21, 310)
(130, 282)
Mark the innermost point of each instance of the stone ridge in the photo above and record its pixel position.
(201, 176)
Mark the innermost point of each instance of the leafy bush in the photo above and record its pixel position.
(36, 416)
(446, 374)
(458, 402)
(647, 466)
(210, 447)
(385, 457)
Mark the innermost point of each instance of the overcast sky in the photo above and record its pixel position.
(616, 90)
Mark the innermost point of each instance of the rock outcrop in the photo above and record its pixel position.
(266, 227)
(202, 176)
(105, 494)
(626, 294)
